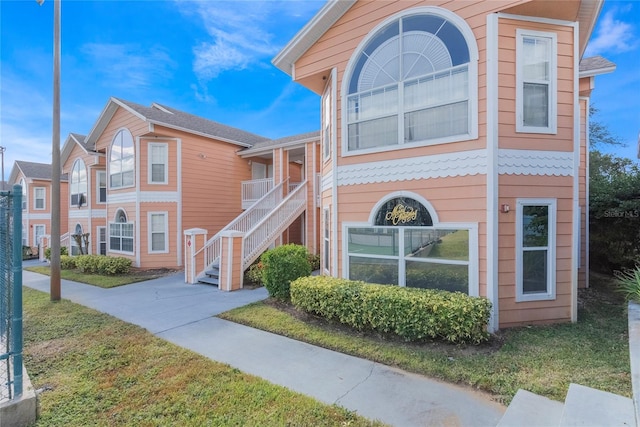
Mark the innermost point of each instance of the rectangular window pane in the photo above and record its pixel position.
(373, 241)
(157, 242)
(535, 226)
(439, 244)
(116, 180)
(535, 107)
(372, 104)
(534, 271)
(437, 89)
(157, 173)
(114, 243)
(373, 133)
(102, 187)
(437, 122)
(374, 270)
(536, 52)
(448, 277)
(127, 178)
(127, 245)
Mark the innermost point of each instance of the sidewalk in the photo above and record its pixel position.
(184, 314)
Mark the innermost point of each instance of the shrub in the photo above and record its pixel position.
(412, 314)
(67, 262)
(629, 283)
(63, 251)
(88, 263)
(314, 262)
(114, 265)
(282, 265)
(253, 275)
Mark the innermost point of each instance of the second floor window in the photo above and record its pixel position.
(158, 158)
(102, 186)
(78, 186)
(121, 160)
(39, 200)
(412, 84)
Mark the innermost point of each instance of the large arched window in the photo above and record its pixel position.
(413, 81)
(78, 185)
(121, 160)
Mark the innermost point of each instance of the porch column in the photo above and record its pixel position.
(231, 272)
(194, 238)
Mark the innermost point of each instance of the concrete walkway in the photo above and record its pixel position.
(184, 314)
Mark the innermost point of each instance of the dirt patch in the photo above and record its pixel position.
(153, 272)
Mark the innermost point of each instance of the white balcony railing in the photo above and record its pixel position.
(254, 190)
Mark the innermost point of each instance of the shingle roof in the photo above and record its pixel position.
(273, 143)
(37, 170)
(595, 65)
(172, 118)
(81, 140)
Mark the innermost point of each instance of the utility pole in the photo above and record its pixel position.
(55, 158)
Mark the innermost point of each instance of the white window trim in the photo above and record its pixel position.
(552, 128)
(99, 242)
(44, 232)
(165, 214)
(106, 186)
(77, 183)
(165, 146)
(472, 45)
(135, 162)
(35, 198)
(327, 141)
(472, 263)
(326, 218)
(550, 294)
(109, 250)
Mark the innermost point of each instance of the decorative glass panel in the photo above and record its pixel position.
(403, 211)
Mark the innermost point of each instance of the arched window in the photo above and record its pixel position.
(76, 242)
(121, 160)
(78, 184)
(413, 81)
(121, 233)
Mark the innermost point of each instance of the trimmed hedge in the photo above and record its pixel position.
(282, 265)
(412, 314)
(102, 264)
(67, 262)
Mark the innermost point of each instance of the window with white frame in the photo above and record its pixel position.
(412, 83)
(121, 160)
(121, 234)
(39, 202)
(158, 163)
(39, 230)
(536, 77)
(101, 186)
(326, 123)
(327, 240)
(158, 232)
(24, 235)
(24, 195)
(78, 184)
(102, 240)
(535, 249)
(76, 242)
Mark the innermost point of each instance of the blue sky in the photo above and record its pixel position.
(213, 59)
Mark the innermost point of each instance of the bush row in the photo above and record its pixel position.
(96, 264)
(412, 314)
(282, 265)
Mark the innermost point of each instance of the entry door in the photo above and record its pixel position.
(258, 170)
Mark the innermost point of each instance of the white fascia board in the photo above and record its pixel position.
(310, 33)
(300, 143)
(597, 72)
(104, 118)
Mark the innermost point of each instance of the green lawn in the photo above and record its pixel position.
(543, 359)
(99, 371)
(99, 280)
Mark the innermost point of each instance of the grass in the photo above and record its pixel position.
(102, 281)
(543, 359)
(97, 370)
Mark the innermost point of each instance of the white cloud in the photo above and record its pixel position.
(612, 35)
(128, 66)
(242, 33)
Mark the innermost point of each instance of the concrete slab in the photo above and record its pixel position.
(21, 411)
(585, 406)
(184, 314)
(530, 409)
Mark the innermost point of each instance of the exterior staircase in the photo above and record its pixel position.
(260, 225)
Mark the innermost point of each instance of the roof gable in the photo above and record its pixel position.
(171, 118)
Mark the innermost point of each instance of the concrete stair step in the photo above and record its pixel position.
(213, 271)
(585, 406)
(209, 280)
(530, 409)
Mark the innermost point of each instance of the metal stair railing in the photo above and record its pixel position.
(271, 226)
(244, 222)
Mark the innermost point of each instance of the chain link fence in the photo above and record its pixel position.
(10, 294)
